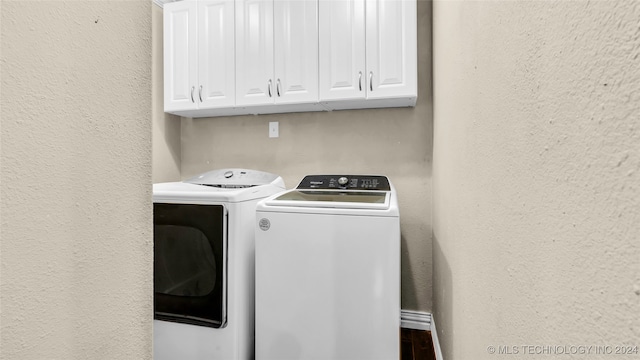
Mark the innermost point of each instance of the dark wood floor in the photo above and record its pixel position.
(416, 345)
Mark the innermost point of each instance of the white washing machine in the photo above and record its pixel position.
(328, 271)
(204, 264)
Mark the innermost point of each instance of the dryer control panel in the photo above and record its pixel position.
(345, 182)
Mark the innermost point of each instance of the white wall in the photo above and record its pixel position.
(166, 127)
(536, 174)
(76, 241)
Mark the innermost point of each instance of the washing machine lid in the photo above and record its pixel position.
(338, 191)
(343, 199)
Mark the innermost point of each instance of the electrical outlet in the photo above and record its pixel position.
(274, 130)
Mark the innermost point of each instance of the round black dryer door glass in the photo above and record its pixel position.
(185, 263)
(189, 264)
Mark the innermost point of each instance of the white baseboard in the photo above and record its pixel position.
(416, 320)
(436, 342)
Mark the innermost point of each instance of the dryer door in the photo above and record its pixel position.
(190, 246)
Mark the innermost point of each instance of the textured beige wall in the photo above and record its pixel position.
(76, 180)
(393, 142)
(536, 175)
(166, 127)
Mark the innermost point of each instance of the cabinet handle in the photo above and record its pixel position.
(269, 87)
(200, 93)
(371, 80)
(192, 88)
(278, 87)
(360, 80)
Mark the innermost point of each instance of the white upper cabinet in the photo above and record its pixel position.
(276, 52)
(180, 55)
(368, 50)
(254, 52)
(392, 52)
(233, 57)
(296, 51)
(342, 50)
(199, 55)
(216, 47)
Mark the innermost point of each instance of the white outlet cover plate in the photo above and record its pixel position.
(274, 130)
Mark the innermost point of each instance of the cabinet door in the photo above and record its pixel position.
(296, 51)
(180, 55)
(255, 84)
(342, 49)
(216, 55)
(391, 48)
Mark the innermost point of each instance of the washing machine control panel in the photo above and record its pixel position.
(345, 182)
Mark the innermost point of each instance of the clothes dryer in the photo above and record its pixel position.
(328, 271)
(204, 264)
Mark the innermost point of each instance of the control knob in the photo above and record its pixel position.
(343, 181)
